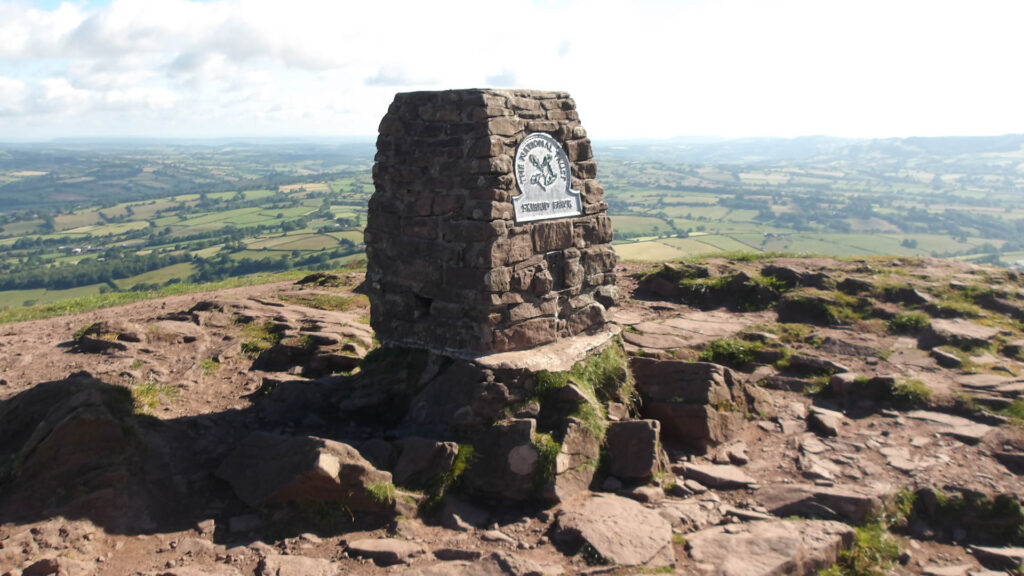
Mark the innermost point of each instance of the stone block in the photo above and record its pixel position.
(582, 320)
(579, 150)
(498, 279)
(633, 450)
(504, 126)
(505, 461)
(468, 231)
(526, 334)
(552, 235)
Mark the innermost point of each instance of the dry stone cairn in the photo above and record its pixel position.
(487, 231)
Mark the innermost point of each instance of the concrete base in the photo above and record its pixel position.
(558, 356)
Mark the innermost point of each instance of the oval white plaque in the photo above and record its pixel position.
(544, 181)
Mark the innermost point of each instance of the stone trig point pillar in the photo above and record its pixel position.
(488, 231)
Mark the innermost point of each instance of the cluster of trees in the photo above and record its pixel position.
(86, 272)
(223, 266)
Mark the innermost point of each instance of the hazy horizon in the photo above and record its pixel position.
(371, 139)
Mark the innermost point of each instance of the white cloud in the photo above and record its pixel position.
(12, 96)
(725, 67)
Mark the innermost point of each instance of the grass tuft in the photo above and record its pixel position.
(730, 352)
(334, 302)
(209, 366)
(911, 392)
(381, 492)
(147, 395)
(909, 323)
(547, 454)
(1015, 411)
(874, 553)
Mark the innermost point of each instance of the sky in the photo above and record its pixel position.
(656, 69)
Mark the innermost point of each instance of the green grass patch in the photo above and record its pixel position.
(253, 348)
(909, 323)
(787, 333)
(84, 331)
(98, 301)
(1015, 411)
(874, 553)
(261, 336)
(956, 308)
(992, 520)
(547, 454)
(817, 384)
(911, 392)
(381, 492)
(600, 378)
(730, 352)
(147, 395)
(209, 366)
(337, 302)
(267, 331)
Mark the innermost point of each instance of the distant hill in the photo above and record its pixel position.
(804, 148)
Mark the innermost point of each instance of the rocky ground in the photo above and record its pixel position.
(176, 436)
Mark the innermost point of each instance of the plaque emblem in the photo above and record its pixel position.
(544, 181)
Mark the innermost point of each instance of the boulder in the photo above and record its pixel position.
(69, 432)
(1003, 306)
(496, 564)
(665, 281)
(845, 347)
(454, 398)
(619, 530)
(575, 464)
(645, 494)
(270, 468)
(824, 421)
(797, 547)
(851, 285)
(807, 306)
(421, 461)
(1014, 349)
(905, 295)
(699, 404)
(788, 383)
(385, 551)
(202, 570)
(282, 565)
(505, 461)
(653, 341)
(457, 514)
(379, 452)
(716, 475)
(808, 500)
(633, 450)
(1013, 460)
(843, 383)
(57, 566)
(793, 278)
(737, 454)
(957, 332)
(815, 364)
(962, 429)
(946, 359)
(1008, 558)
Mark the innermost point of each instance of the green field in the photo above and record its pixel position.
(19, 298)
(205, 213)
(651, 251)
(159, 276)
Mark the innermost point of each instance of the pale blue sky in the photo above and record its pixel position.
(180, 68)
